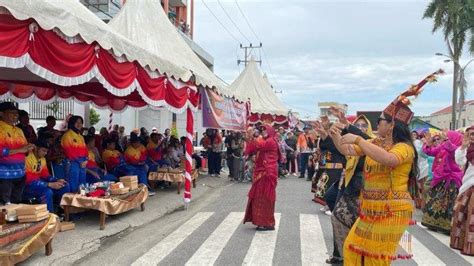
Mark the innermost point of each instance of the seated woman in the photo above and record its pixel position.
(75, 150)
(155, 152)
(113, 159)
(135, 157)
(39, 183)
(93, 172)
(172, 156)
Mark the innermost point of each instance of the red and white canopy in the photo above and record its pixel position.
(266, 107)
(146, 24)
(53, 50)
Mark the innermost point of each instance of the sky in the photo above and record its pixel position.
(361, 53)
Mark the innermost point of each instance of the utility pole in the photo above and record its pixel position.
(248, 50)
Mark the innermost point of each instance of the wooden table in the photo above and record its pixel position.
(173, 177)
(25, 239)
(112, 205)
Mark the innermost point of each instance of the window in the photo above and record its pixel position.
(57, 109)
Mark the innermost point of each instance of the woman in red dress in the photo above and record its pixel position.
(262, 194)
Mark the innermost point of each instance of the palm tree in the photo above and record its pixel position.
(454, 18)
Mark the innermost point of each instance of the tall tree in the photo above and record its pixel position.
(454, 18)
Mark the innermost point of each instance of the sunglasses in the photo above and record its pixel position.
(361, 125)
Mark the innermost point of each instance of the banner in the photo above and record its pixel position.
(222, 112)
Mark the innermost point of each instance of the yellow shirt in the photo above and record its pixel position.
(381, 177)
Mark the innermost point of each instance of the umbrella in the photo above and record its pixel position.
(423, 130)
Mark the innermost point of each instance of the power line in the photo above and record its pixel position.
(267, 62)
(269, 67)
(232, 21)
(214, 15)
(246, 20)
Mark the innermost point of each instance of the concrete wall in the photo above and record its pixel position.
(148, 118)
(443, 120)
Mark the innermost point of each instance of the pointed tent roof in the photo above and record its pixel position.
(145, 23)
(253, 85)
(74, 20)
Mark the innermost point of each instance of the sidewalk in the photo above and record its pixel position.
(71, 246)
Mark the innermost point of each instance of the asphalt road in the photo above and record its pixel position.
(211, 232)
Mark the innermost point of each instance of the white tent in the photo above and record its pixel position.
(76, 23)
(253, 85)
(145, 23)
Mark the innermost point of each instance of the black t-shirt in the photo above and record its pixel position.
(228, 144)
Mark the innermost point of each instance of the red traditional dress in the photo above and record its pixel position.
(262, 194)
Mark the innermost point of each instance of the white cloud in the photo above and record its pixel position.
(363, 53)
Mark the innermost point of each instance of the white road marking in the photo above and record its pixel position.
(262, 247)
(422, 255)
(445, 239)
(167, 245)
(210, 250)
(313, 247)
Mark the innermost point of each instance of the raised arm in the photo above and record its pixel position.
(431, 150)
(345, 149)
(375, 152)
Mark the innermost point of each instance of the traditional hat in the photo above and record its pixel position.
(398, 109)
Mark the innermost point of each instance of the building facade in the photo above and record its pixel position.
(442, 118)
(324, 109)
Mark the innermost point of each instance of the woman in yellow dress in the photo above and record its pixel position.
(386, 206)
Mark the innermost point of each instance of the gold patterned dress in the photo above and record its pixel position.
(385, 212)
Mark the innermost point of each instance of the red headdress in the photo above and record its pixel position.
(398, 109)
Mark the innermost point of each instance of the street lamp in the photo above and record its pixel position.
(458, 82)
(455, 87)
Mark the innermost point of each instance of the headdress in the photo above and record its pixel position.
(398, 109)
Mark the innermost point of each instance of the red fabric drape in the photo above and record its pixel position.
(119, 75)
(268, 118)
(121, 84)
(14, 36)
(48, 50)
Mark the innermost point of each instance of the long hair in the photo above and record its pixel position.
(401, 134)
(72, 121)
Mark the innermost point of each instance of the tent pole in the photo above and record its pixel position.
(189, 160)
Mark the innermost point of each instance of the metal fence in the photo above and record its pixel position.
(57, 109)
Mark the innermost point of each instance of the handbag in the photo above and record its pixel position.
(321, 186)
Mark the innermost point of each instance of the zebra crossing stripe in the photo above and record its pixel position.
(167, 245)
(445, 239)
(210, 250)
(263, 246)
(313, 248)
(422, 255)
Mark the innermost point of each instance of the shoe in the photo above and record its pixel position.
(151, 192)
(301, 176)
(324, 209)
(334, 260)
(309, 179)
(265, 228)
(328, 213)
